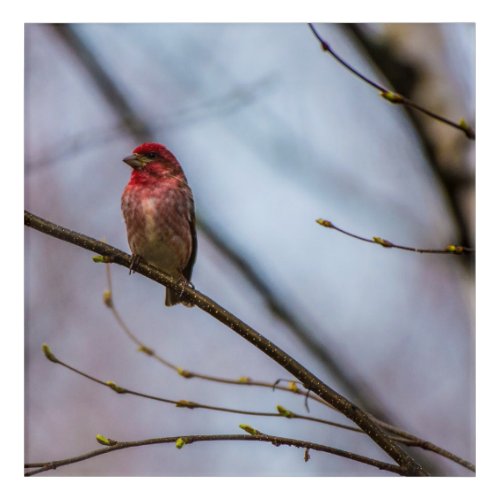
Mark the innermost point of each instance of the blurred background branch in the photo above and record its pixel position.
(392, 96)
(411, 77)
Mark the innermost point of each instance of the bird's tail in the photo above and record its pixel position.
(172, 298)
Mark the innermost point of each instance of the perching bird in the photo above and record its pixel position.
(158, 209)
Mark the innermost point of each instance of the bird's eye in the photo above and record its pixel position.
(150, 155)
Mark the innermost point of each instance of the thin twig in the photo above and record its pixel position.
(188, 374)
(184, 440)
(453, 178)
(309, 380)
(392, 96)
(377, 240)
(281, 412)
(412, 440)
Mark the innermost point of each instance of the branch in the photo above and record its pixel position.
(108, 299)
(182, 403)
(377, 240)
(412, 440)
(451, 178)
(310, 381)
(181, 441)
(392, 96)
(396, 433)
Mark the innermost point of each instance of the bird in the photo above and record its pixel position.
(158, 209)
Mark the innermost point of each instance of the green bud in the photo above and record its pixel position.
(146, 350)
(184, 373)
(107, 299)
(48, 353)
(250, 430)
(324, 223)
(115, 387)
(457, 249)
(393, 97)
(381, 241)
(284, 412)
(102, 259)
(469, 132)
(182, 403)
(105, 441)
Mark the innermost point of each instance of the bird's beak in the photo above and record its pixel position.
(134, 161)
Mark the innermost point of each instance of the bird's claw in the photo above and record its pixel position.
(134, 263)
(186, 283)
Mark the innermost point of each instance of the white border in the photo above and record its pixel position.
(255, 11)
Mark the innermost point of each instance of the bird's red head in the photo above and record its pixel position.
(152, 147)
(153, 158)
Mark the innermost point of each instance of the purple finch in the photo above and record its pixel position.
(158, 209)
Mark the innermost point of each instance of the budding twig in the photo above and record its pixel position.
(281, 412)
(110, 445)
(453, 249)
(391, 96)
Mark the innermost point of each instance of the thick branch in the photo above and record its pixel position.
(309, 380)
